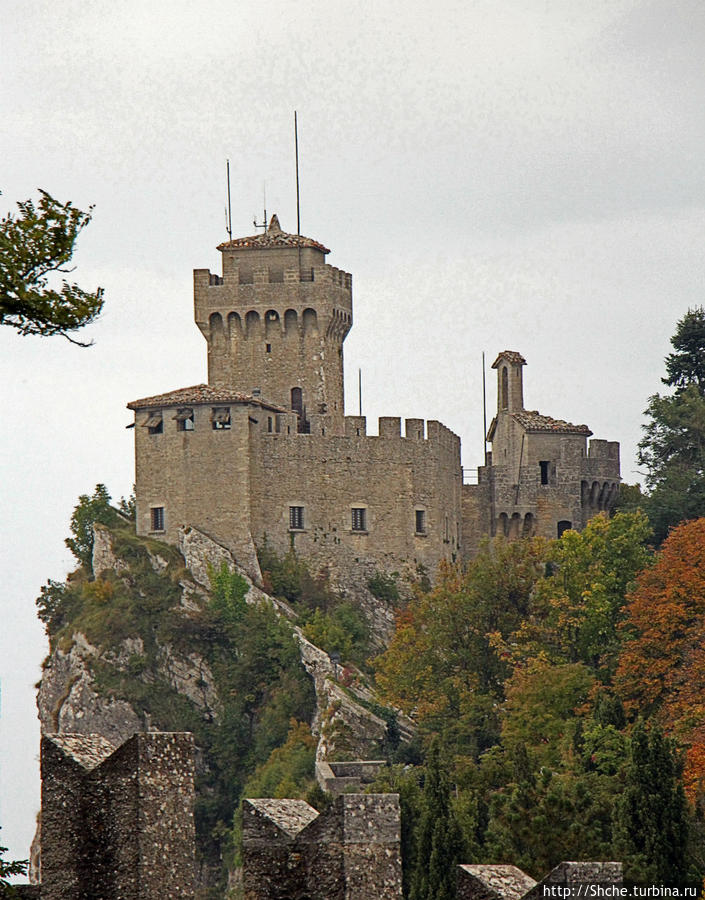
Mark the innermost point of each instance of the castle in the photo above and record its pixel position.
(265, 452)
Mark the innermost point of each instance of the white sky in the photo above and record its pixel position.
(526, 175)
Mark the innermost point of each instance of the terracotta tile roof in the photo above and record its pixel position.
(511, 356)
(201, 393)
(272, 237)
(532, 420)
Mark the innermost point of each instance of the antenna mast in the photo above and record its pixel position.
(296, 146)
(229, 224)
(484, 408)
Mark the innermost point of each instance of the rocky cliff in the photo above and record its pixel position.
(155, 638)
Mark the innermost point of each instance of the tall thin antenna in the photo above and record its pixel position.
(484, 408)
(359, 390)
(296, 146)
(230, 215)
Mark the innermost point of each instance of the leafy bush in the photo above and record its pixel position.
(334, 625)
(343, 630)
(384, 587)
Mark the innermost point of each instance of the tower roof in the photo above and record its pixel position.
(511, 356)
(272, 237)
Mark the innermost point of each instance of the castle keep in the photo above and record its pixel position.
(265, 452)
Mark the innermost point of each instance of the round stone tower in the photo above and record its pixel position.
(275, 322)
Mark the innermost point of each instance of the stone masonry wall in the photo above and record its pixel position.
(117, 824)
(349, 852)
(200, 478)
(389, 476)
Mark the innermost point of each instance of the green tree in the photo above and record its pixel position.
(687, 365)
(539, 818)
(7, 869)
(88, 511)
(577, 606)
(441, 667)
(651, 820)
(439, 841)
(673, 446)
(36, 242)
(539, 709)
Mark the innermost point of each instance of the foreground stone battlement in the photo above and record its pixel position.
(117, 823)
(509, 883)
(349, 852)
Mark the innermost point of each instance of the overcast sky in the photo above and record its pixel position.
(524, 175)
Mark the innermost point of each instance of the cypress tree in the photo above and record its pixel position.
(439, 841)
(651, 821)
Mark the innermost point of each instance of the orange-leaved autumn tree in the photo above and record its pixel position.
(661, 670)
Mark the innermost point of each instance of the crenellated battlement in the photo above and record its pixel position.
(417, 430)
(236, 276)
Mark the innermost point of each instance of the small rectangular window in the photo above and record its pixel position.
(420, 521)
(269, 348)
(184, 419)
(157, 514)
(296, 518)
(359, 519)
(221, 418)
(544, 466)
(270, 424)
(155, 423)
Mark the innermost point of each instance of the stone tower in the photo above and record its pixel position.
(275, 322)
(510, 388)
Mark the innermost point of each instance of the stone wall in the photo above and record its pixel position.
(117, 823)
(389, 476)
(200, 478)
(349, 852)
(503, 882)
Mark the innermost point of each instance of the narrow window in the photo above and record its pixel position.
(544, 466)
(420, 521)
(184, 419)
(296, 518)
(505, 388)
(359, 518)
(269, 424)
(269, 348)
(563, 526)
(157, 514)
(155, 423)
(221, 418)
